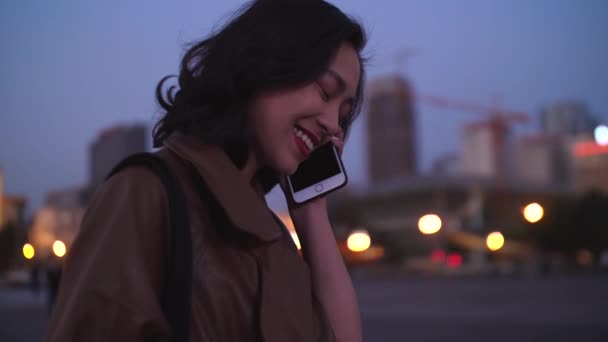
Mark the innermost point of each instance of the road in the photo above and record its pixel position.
(485, 309)
(402, 308)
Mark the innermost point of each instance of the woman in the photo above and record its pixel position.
(277, 67)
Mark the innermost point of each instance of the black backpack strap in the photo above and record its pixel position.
(177, 291)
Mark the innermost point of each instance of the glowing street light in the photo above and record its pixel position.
(28, 251)
(601, 135)
(59, 248)
(429, 224)
(495, 241)
(359, 241)
(533, 212)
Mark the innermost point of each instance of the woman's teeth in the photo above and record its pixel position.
(304, 138)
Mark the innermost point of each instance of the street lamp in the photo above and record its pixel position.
(533, 212)
(359, 241)
(59, 248)
(601, 135)
(495, 241)
(429, 224)
(28, 251)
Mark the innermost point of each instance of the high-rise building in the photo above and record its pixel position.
(590, 165)
(12, 207)
(51, 224)
(391, 124)
(542, 159)
(73, 197)
(568, 118)
(478, 152)
(111, 146)
(59, 219)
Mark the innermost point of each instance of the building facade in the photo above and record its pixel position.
(543, 159)
(111, 146)
(590, 165)
(478, 154)
(391, 130)
(569, 118)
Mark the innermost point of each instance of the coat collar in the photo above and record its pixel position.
(244, 208)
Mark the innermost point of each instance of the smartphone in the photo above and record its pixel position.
(322, 173)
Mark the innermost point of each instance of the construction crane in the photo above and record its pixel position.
(497, 118)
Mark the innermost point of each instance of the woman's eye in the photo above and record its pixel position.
(323, 93)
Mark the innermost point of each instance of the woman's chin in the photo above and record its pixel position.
(288, 169)
(286, 165)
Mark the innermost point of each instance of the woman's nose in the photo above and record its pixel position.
(329, 124)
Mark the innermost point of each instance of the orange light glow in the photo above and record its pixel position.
(359, 241)
(533, 212)
(589, 148)
(59, 248)
(584, 257)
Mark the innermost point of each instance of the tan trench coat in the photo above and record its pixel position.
(114, 271)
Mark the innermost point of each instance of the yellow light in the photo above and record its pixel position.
(59, 248)
(533, 212)
(429, 224)
(495, 241)
(296, 240)
(359, 241)
(28, 251)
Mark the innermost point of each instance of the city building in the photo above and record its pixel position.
(542, 159)
(590, 165)
(12, 216)
(111, 146)
(570, 118)
(13, 210)
(73, 197)
(59, 219)
(391, 129)
(1, 197)
(64, 209)
(12, 207)
(478, 154)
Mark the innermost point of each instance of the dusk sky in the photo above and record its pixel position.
(72, 68)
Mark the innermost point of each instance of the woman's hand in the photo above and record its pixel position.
(331, 282)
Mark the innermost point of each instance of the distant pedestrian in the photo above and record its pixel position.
(35, 279)
(53, 278)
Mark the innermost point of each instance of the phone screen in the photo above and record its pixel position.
(320, 165)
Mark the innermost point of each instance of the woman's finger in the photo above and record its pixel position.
(338, 143)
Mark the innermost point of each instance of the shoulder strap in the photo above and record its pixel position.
(176, 295)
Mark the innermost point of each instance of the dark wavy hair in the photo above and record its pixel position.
(267, 45)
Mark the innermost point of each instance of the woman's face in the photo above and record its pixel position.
(287, 125)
